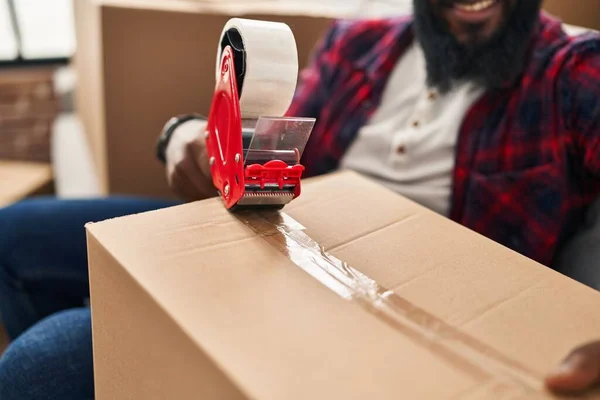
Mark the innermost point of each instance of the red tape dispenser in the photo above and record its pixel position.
(254, 152)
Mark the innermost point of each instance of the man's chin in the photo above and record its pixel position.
(473, 40)
(478, 35)
(474, 16)
(491, 52)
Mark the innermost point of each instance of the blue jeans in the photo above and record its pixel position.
(43, 288)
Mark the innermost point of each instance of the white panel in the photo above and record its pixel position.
(384, 8)
(47, 28)
(73, 169)
(8, 43)
(362, 8)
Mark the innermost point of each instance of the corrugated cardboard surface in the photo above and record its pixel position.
(584, 13)
(143, 62)
(189, 302)
(89, 96)
(21, 179)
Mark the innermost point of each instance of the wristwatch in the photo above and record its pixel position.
(168, 130)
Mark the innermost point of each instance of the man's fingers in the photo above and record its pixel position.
(573, 376)
(579, 372)
(196, 154)
(198, 151)
(182, 187)
(189, 170)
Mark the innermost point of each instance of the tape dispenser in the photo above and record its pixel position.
(254, 151)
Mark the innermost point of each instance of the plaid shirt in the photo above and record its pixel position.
(527, 162)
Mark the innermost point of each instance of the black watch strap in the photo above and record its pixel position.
(167, 133)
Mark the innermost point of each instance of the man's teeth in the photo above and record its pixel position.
(474, 7)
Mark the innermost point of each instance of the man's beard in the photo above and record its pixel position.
(499, 60)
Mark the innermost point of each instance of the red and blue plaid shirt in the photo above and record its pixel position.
(527, 161)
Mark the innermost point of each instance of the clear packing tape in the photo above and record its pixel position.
(503, 376)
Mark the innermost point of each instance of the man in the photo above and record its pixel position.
(484, 111)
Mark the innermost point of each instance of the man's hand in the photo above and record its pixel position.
(188, 170)
(579, 372)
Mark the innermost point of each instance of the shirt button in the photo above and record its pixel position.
(415, 124)
(401, 149)
(432, 95)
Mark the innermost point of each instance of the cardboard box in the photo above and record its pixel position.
(19, 180)
(140, 63)
(193, 302)
(583, 13)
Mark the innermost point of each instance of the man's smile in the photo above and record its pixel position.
(473, 21)
(476, 12)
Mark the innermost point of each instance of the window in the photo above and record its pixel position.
(33, 31)
(8, 42)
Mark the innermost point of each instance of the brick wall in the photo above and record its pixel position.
(28, 107)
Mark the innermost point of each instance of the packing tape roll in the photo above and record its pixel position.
(266, 62)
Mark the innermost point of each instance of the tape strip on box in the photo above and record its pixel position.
(508, 377)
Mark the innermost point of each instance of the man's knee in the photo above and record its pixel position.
(63, 220)
(20, 220)
(42, 230)
(51, 360)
